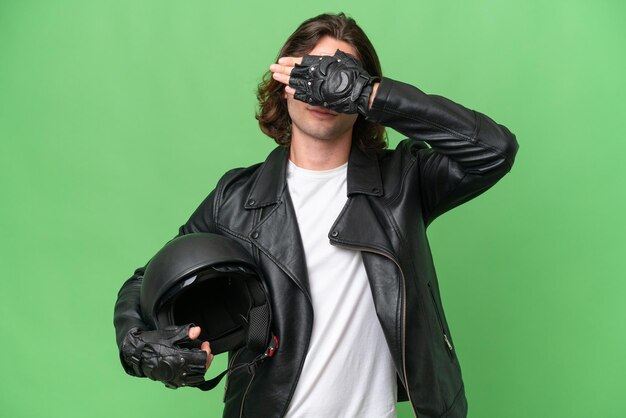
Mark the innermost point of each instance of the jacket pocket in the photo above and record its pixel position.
(446, 338)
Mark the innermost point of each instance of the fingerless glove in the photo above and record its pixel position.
(167, 355)
(336, 82)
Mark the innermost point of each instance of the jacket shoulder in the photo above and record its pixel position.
(238, 176)
(206, 217)
(407, 148)
(236, 181)
(398, 165)
(403, 156)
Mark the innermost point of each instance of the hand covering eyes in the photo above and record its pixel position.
(337, 82)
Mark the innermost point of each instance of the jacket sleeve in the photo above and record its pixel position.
(127, 311)
(468, 153)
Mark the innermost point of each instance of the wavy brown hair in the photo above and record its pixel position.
(272, 113)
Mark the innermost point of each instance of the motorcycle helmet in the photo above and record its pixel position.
(213, 282)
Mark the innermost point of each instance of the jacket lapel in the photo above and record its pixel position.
(277, 234)
(359, 225)
(364, 225)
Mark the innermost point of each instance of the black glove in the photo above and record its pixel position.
(336, 82)
(167, 355)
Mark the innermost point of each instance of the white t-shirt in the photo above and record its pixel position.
(348, 371)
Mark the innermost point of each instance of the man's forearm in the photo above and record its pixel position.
(127, 313)
(468, 137)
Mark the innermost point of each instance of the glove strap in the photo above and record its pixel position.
(365, 91)
(135, 359)
(359, 84)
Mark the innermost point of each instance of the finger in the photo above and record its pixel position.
(281, 78)
(290, 90)
(282, 69)
(289, 61)
(194, 332)
(207, 348)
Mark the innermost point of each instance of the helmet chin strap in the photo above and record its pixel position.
(251, 366)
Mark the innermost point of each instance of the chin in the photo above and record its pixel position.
(322, 133)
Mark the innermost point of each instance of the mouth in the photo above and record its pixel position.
(322, 111)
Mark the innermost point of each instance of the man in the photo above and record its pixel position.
(338, 225)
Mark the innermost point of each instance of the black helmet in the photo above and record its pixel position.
(213, 282)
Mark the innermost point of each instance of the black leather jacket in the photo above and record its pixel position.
(393, 197)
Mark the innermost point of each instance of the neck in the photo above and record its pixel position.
(320, 154)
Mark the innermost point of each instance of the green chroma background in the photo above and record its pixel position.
(118, 117)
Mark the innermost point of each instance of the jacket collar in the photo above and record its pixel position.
(363, 177)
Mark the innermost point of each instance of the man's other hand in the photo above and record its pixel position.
(194, 333)
(169, 355)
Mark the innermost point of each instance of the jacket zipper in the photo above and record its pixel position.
(443, 329)
(406, 382)
(243, 400)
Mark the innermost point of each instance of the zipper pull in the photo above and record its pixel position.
(445, 337)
